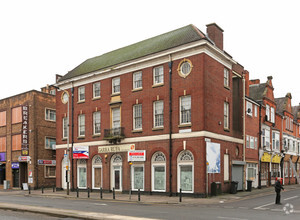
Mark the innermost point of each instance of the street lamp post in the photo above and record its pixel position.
(65, 100)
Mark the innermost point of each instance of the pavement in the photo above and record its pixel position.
(119, 197)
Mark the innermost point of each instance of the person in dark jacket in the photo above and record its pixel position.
(278, 188)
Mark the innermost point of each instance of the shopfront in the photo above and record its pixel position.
(265, 169)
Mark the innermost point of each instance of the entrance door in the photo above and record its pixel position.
(16, 177)
(117, 178)
(2, 173)
(97, 177)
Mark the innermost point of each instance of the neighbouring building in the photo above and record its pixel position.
(27, 139)
(162, 115)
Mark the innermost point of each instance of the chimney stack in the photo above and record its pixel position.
(215, 33)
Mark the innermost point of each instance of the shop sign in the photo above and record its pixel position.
(24, 158)
(116, 148)
(2, 156)
(81, 152)
(15, 165)
(276, 159)
(46, 162)
(266, 157)
(25, 129)
(137, 155)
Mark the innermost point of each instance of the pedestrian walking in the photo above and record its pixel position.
(278, 188)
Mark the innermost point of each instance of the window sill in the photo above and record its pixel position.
(115, 94)
(185, 125)
(81, 137)
(137, 89)
(50, 177)
(96, 98)
(227, 87)
(82, 101)
(158, 85)
(137, 131)
(226, 129)
(96, 135)
(64, 139)
(157, 128)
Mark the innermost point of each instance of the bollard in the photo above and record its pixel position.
(77, 192)
(88, 192)
(114, 196)
(139, 195)
(180, 195)
(29, 190)
(42, 189)
(101, 193)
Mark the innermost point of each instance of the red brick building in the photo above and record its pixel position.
(27, 139)
(170, 104)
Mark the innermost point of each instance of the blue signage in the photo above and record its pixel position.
(15, 165)
(2, 156)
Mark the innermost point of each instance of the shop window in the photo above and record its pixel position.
(50, 171)
(185, 174)
(137, 177)
(81, 174)
(159, 172)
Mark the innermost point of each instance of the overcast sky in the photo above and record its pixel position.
(42, 38)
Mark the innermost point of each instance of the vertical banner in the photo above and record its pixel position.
(213, 157)
(25, 129)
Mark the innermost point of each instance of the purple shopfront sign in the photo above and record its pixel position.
(15, 165)
(2, 157)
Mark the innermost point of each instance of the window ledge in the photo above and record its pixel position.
(137, 89)
(64, 139)
(226, 129)
(96, 135)
(157, 128)
(158, 85)
(96, 98)
(227, 87)
(115, 94)
(185, 125)
(82, 101)
(137, 131)
(81, 137)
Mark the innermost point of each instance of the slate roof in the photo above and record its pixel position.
(280, 104)
(296, 111)
(166, 41)
(257, 91)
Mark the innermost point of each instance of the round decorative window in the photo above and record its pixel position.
(184, 68)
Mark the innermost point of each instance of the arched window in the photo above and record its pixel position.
(97, 172)
(185, 172)
(116, 172)
(158, 172)
(81, 174)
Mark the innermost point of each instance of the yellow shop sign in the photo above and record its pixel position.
(266, 157)
(276, 159)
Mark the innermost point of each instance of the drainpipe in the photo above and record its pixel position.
(259, 141)
(72, 137)
(244, 130)
(170, 125)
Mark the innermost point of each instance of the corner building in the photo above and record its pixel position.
(152, 115)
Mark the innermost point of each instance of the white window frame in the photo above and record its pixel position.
(226, 77)
(137, 82)
(49, 146)
(96, 90)
(81, 94)
(81, 125)
(157, 117)
(182, 163)
(252, 144)
(272, 115)
(116, 85)
(185, 111)
(45, 170)
(116, 118)
(255, 111)
(226, 115)
(137, 117)
(247, 141)
(249, 106)
(158, 75)
(268, 112)
(94, 166)
(81, 164)
(158, 160)
(133, 177)
(48, 113)
(276, 141)
(266, 132)
(65, 127)
(95, 123)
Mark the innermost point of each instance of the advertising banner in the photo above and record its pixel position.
(81, 152)
(25, 129)
(213, 157)
(46, 162)
(137, 155)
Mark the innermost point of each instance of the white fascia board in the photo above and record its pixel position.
(250, 100)
(180, 52)
(207, 134)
